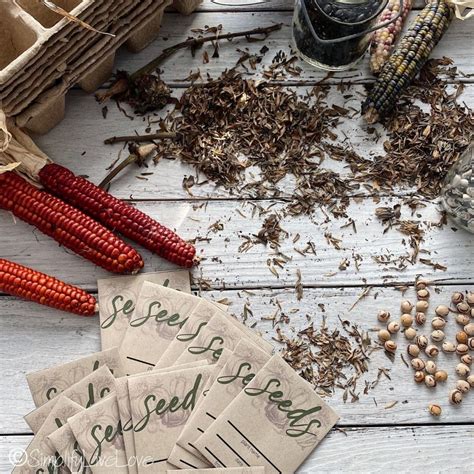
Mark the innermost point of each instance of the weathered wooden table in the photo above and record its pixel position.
(376, 437)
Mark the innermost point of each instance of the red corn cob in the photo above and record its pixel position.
(117, 215)
(29, 284)
(68, 226)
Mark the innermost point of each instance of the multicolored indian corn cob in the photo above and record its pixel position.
(408, 58)
(116, 214)
(384, 39)
(29, 284)
(67, 225)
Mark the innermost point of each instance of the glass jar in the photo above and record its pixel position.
(457, 195)
(334, 34)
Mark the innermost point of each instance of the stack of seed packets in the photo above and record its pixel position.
(180, 385)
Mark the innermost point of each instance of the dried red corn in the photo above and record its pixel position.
(29, 284)
(117, 215)
(68, 226)
(384, 39)
(408, 58)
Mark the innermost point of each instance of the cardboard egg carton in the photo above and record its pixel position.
(42, 54)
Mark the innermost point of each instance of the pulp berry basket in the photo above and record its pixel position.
(334, 34)
(43, 54)
(458, 193)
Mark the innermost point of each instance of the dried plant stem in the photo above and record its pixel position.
(140, 138)
(196, 42)
(137, 155)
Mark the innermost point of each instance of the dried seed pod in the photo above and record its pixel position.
(393, 327)
(430, 381)
(442, 310)
(413, 350)
(430, 367)
(472, 312)
(463, 386)
(470, 297)
(448, 347)
(406, 306)
(470, 380)
(423, 294)
(383, 316)
(455, 396)
(431, 351)
(438, 322)
(470, 343)
(462, 337)
(384, 335)
(410, 333)
(466, 359)
(422, 306)
(421, 341)
(441, 376)
(469, 329)
(418, 364)
(434, 410)
(437, 336)
(390, 346)
(406, 320)
(420, 318)
(419, 376)
(457, 297)
(462, 370)
(463, 307)
(462, 349)
(462, 319)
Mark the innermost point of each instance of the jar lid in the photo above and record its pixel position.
(351, 12)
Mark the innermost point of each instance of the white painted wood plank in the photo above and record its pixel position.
(77, 143)
(34, 337)
(176, 28)
(225, 267)
(257, 5)
(446, 449)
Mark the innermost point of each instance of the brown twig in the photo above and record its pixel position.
(121, 85)
(137, 154)
(140, 138)
(194, 43)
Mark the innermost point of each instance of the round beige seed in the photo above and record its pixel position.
(431, 351)
(462, 319)
(418, 364)
(470, 343)
(384, 335)
(390, 346)
(423, 294)
(430, 381)
(463, 386)
(469, 329)
(455, 397)
(406, 306)
(463, 307)
(461, 337)
(406, 320)
(410, 333)
(462, 370)
(434, 410)
(430, 367)
(437, 336)
(413, 350)
(421, 341)
(438, 322)
(393, 327)
(383, 316)
(419, 376)
(448, 347)
(457, 297)
(470, 297)
(422, 306)
(466, 359)
(420, 318)
(470, 380)
(462, 349)
(441, 376)
(442, 310)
